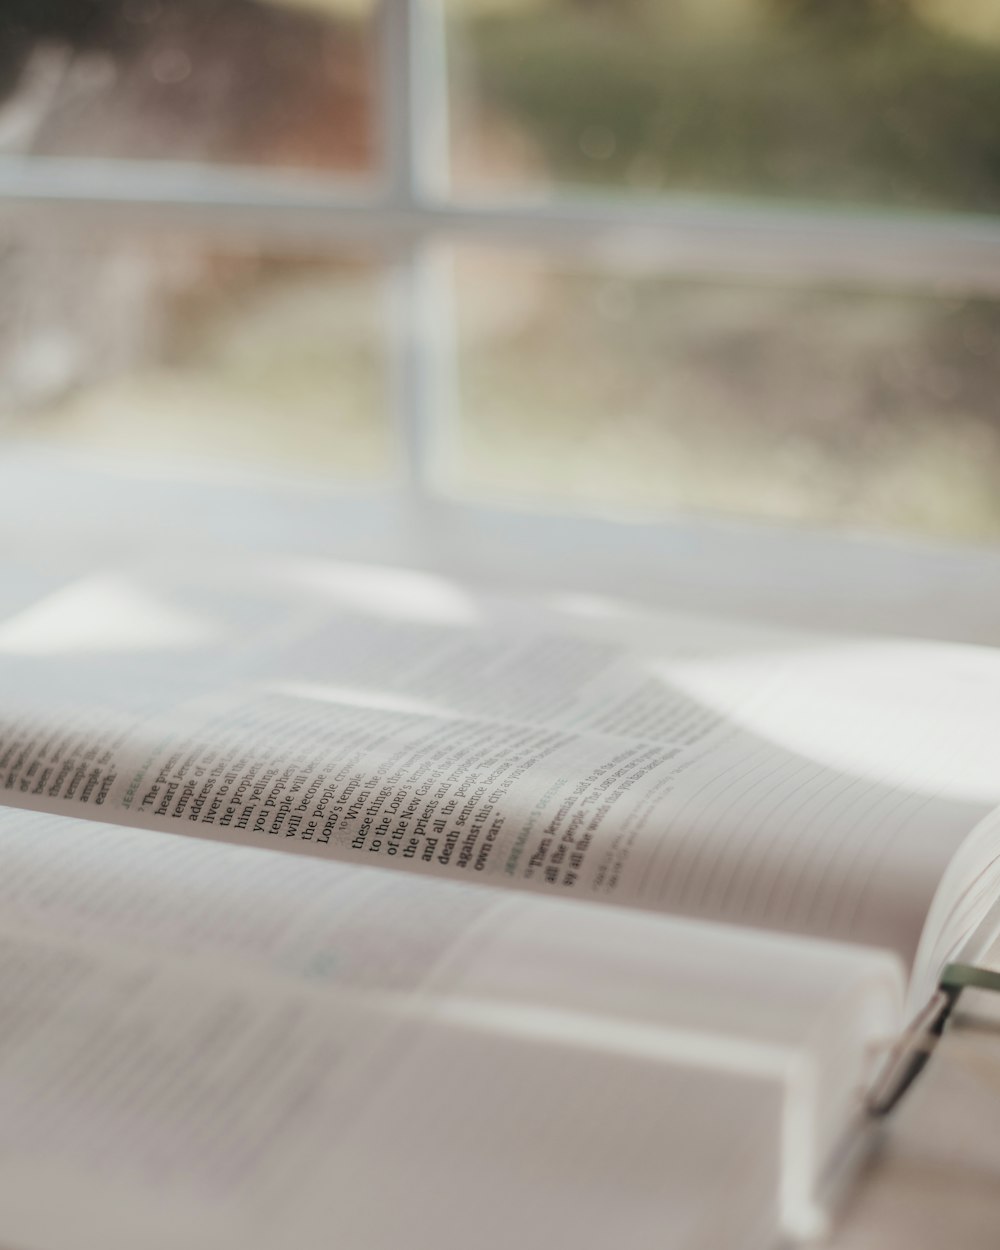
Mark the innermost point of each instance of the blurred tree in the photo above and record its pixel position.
(78, 21)
(862, 17)
(231, 80)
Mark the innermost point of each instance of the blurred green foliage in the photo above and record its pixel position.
(874, 408)
(859, 102)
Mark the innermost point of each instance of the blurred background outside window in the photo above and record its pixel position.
(582, 256)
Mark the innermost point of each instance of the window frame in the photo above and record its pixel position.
(408, 216)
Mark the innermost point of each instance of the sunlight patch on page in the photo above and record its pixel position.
(632, 1039)
(103, 614)
(396, 594)
(357, 696)
(918, 716)
(595, 607)
(673, 632)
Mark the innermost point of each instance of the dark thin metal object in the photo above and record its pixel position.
(922, 1038)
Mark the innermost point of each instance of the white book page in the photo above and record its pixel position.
(517, 1071)
(785, 781)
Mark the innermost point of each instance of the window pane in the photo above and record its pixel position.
(592, 392)
(889, 102)
(253, 82)
(202, 358)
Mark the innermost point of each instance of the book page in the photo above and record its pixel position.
(785, 781)
(206, 1044)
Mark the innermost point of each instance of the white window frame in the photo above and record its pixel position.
(408, 216)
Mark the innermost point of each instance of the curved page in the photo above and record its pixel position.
(212, 1045)
(784, 781)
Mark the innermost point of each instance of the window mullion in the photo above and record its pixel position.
(422, 362)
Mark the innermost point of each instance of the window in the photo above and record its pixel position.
(553, 255)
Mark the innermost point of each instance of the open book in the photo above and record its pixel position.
(597, 928)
